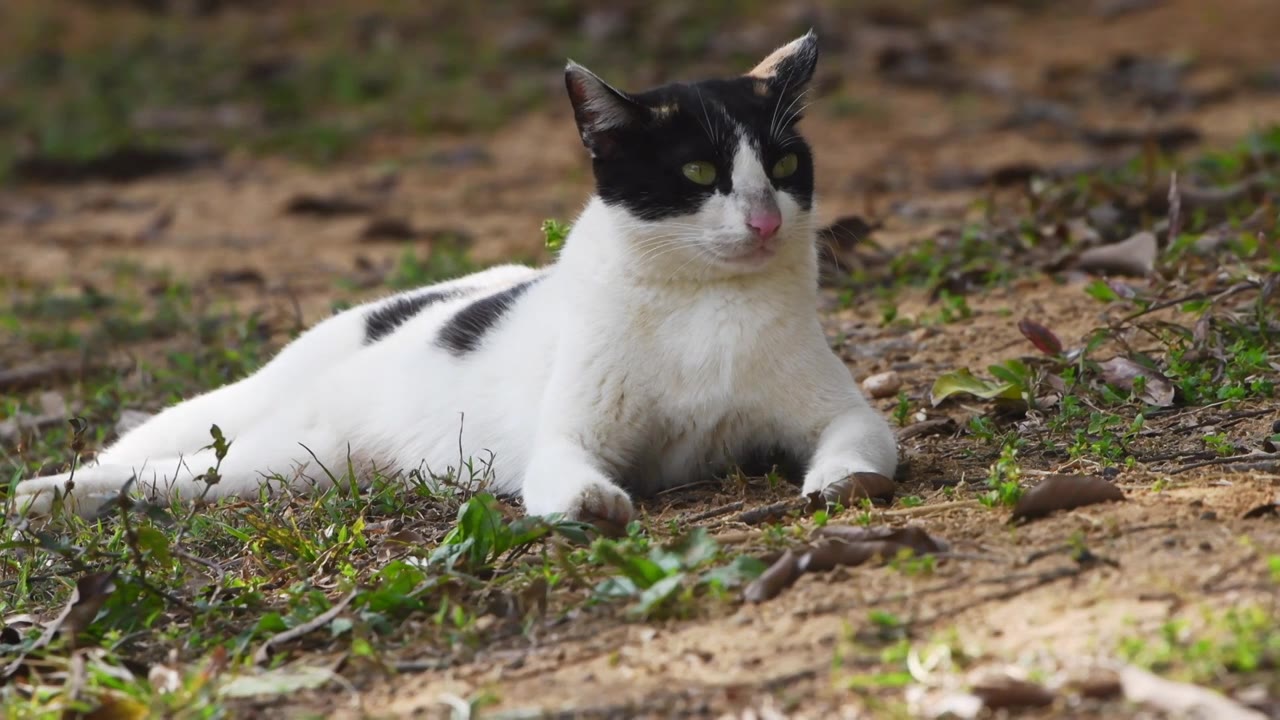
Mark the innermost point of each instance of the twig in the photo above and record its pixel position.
(1253, 460)
(936, 426)
(1199, 295)
(264, 652)
(715, 512)
(755, 516)
(1207, 585)
(925, 510)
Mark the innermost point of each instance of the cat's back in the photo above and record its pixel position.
(346, 335)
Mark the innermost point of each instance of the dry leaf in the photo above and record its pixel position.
(327, 205)
(1271, 509)
(841, 545)
(1064, 492)
(1040, 336)
(91, 592)
(1135, 256)
(827, 554)
(777, 578)
(1008, 692)
(910, 536)
(1123, 372)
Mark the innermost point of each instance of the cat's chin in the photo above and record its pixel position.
(751, 259)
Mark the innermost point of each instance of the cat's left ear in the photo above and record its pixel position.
(599, 109)
(788, 70)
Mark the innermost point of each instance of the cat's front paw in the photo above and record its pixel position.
(595, 501)
(842, 483)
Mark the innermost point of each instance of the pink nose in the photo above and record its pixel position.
(764, 223)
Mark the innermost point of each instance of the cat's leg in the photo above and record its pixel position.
(563, 477)
(582, 428)
(268, 449)
(851, 436)
(184, 428)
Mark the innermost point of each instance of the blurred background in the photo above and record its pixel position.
(291, 157)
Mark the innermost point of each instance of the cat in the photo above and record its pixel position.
(675, 336)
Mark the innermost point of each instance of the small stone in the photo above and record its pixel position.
(883, 385)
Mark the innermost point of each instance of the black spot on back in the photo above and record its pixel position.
(384, 320)
(464, 331)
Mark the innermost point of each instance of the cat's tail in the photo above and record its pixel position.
(88, 490)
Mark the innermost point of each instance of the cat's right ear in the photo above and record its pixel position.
(599, 109)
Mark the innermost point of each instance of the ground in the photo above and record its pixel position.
(972, 159)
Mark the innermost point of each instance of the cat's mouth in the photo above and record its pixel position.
(750, 255)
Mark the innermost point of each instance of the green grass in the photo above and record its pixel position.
(313, 83)
(1220, 648)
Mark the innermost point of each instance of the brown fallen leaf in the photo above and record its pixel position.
(827, 554)
(82, 607)
(91, 592)
(1064, 492)
(1135, 256)
(327, 205)
(1040, 336)
(1098, 685)
(1007, 692)
(910, 536)
(853, 488)
(1123, 372)
(388, 228)
(1271, 509)
(777, 578)
(841, 545)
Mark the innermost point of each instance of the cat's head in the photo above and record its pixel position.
(708, 176)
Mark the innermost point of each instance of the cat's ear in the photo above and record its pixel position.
(788, 70)
(599, 109)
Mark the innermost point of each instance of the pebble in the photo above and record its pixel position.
(883, 385)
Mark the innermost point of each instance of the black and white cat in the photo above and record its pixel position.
(676, 335)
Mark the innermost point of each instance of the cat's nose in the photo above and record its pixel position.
(764, 224)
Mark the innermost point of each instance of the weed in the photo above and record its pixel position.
(1003, 479)
(554, 233)
(902, 410)
(658, 578)
(1236, 641)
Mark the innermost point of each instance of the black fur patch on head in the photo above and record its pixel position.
(464, 331)
(384, 320)
(641, 141)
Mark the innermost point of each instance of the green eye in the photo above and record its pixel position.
(701, 172)
(786, 166)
